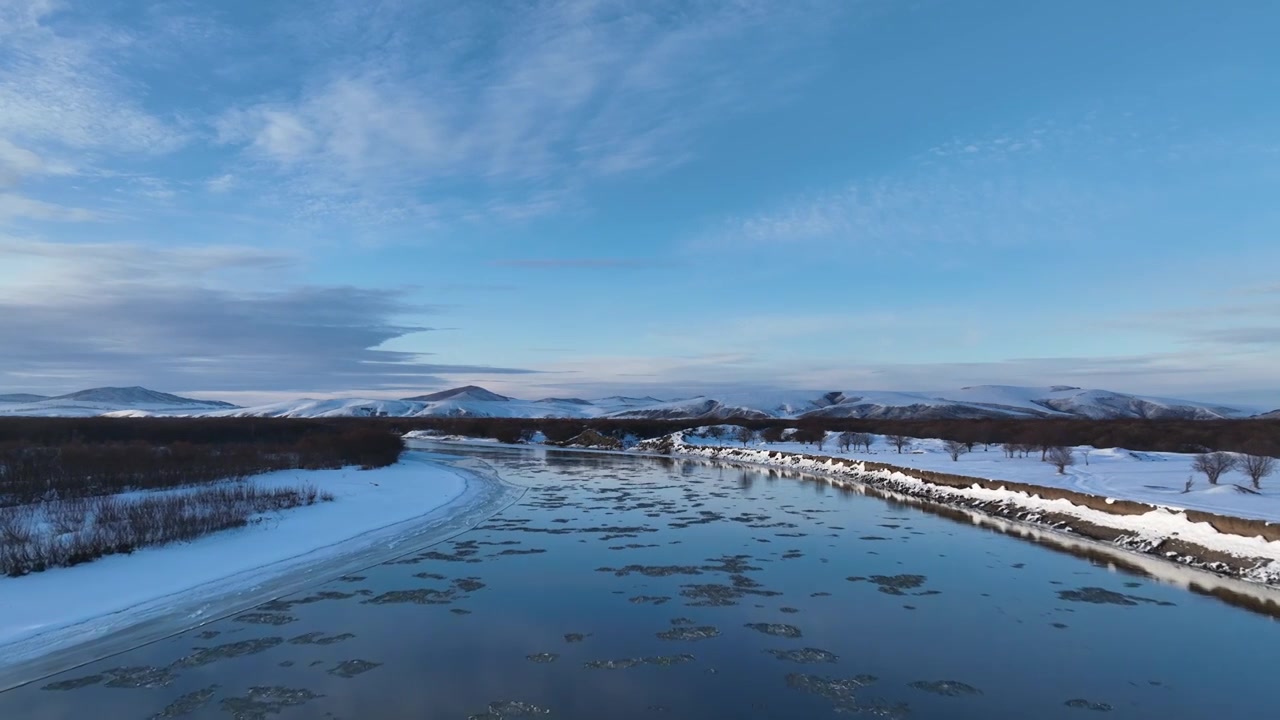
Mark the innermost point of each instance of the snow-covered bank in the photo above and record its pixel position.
(69, 615)
(1162, 531)
(1158, 478)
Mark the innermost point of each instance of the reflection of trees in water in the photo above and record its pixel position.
(746, 479)
(580, 461)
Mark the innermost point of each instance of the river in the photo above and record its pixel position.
(627, 587)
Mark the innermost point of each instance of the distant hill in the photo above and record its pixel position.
(135, 396)
(467, 392)
(974, 402)
(104, 400)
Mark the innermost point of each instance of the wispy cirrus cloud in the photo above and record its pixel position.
(922, 211)
(15, 207)
(1063, 182)
(66, 89)
(516, 99)
(578, 263)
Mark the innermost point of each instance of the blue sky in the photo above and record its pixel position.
(250, 200)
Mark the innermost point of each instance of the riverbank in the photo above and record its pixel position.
(1241, 547)
(76, 614)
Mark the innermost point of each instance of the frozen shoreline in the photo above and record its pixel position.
(1161, 531)
(61, 618)
(1173, 534)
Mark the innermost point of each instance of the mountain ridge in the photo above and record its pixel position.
(970, 402)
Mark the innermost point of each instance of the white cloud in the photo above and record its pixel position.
(925, 210)
(528, 100)
(64, 90)
(17, 207)
(221, 184)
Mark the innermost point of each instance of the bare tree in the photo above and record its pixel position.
(899, 442)
(1257, 467)
(1084, 452)
(845, 440)
(1213, 464)
(820, 439)
(955, 449)
(1010, 449)
(715, 431)
(864, 439)
(745, 435)
(1060, 456)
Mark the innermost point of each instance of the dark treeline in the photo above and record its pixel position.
(1259, 437)
(81, 457)
(61, 458)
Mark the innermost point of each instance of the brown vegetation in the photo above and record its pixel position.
(1255, 436)
(40, 536)
(43, 459)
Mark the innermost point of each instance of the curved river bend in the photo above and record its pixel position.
(624, 587)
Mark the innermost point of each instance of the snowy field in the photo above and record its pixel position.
(182, 585)
(1150, 477)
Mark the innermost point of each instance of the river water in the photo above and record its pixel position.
(625, 587)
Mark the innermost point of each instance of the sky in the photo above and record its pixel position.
(257, 200)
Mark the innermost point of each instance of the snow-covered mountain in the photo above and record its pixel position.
(108, 400)
(976, 402)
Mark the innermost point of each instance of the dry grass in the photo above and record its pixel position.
(61, 533)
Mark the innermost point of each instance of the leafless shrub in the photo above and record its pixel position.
(1257, 467)
(1186, 488)
(87, 529)
(955, 449)
(1213, 465)
(16, 525)
(1060, 457)
(68, 516)
(845, 440)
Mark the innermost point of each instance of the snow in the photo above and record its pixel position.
(996, 401)
(1149, 528)
(1150, 477)
(103, 400)
(182, 585)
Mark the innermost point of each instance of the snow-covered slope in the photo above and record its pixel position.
(981, 401)
(22, 398)
(910, 406)
(976, 402)
(107, 400)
